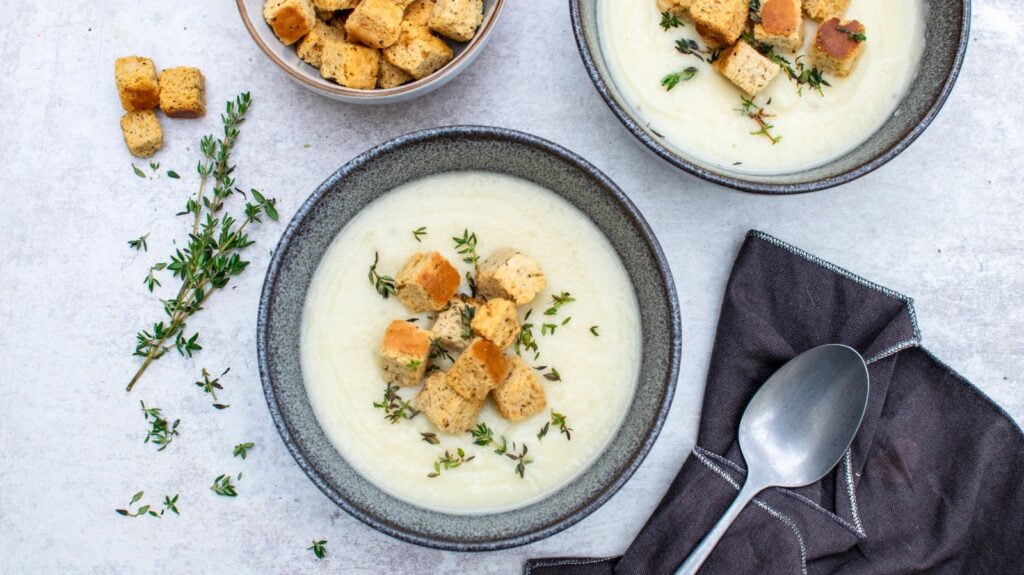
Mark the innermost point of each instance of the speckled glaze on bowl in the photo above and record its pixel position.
(947, 29)
(373, 174)
(285, 58)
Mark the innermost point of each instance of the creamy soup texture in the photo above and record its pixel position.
(345, 319)
(700, 116)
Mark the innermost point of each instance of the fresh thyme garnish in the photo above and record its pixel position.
(466, 316)
(670, 20)
(526, 342)
(672, 80)
(471, 282)
(430, 438)
(689, 47)
(171, 504)
(160, 432)
(419, 233)
(521, 460)
(854, 35)
(138, 172)
(548, 329)
(211, 385)
(413, 364)
(482, 435)
(759, 115)
(559, 420)
(801, 74)
(154, 166)
(466, 247)
(173, 175)
(242, 449)
(557, 301)
(395, 408)
(211, 256)
(553, 375)
(566, 320)
(437, 351)
(755, 11)
(319, 548)
(385, 285)
(543, 431)
(449, 461)
(144, 510)
(139, 244)
(593, 330)
(222, 486)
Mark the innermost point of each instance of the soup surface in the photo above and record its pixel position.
(345, 318)
(701, 116)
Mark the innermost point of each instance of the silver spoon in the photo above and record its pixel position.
(795, 429)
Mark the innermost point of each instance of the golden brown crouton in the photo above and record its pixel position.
(837, 45)
(391, 76)
(334, 5)
(821, 10)
(675, 7)
(290, 19)
(311, 47)
(404, 353)
(744, 66)
(521, 394)
(142, 133)
(419, 12)
(479, 369)
(457, 19)
(182, 92)
(449, 411)
(496, 321)
(403, 4)
(453, 327)
(137, 84)
(720, 22)
(375, 23)
(351, 65)
(427, 282)
(418, 52)
(510, 275)
(781, 25)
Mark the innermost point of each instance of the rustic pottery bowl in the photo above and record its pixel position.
(367, 178)
(285, 58)
(946, 34)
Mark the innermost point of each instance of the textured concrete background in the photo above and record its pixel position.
(941, 223)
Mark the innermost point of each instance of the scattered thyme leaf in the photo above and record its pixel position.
(482, 435)
(466, 315)
(543, 431)
(222, 486)
(449, 461)
(670, 20)
(173, 175)
(559, 420)
(319, 548)
(160, 431)
(593, 330)
(242, 449)
(140, 243)
(854, 34)
(413, 364)
(395, 408)
(525, 341)
(430, 438)
(171, 503)
(557, 301)
(466, 247)
(548, 329)
(672, 80)
(520, 458)
(689, 47)
(553, 375)
(138, 172)
(209, 384)
(385, 285)
(418, 233)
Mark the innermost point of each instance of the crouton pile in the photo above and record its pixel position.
(179, 93)
(374, 44)
(472, 333)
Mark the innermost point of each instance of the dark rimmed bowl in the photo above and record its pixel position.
(373, 174)
(946, 34)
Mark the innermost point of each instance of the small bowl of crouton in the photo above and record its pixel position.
(371, 51)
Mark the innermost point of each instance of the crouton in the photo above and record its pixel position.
(720, 22)
(391, 76)
(781, 25)
(510, 275)
(137, 84)
(311, 47)
(837, 45)
(427, 282)
(418, 52)
(351, 65)
(496, 321)
(521, 394)
(822, 10)
(457, 19)
(182, 92)
(675, 7)
(334, 5)
(376, 23)
(290, 19)
(142, 133)
(479, 369)
(404, 353)
(744, 66)
(419, 12)
(453, 327)
(449, 411)
(403, 4)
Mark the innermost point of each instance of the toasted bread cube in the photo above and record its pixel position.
(837, 46)
(675, 7)
(137, 84)
(183, 92)
(496, 321)
(508, 274)
(720, 22)
(404, 353)
(479, 369)
(403, 4)
(419, 12)
(334, 5)
(142, 133)
(457, 19)
(311, 47)
(427, 282)
(822, 10)
(453, 327)
(744, 66)
(449, 411)
(376, 23)
(521, 394)
(290, 19)
(391, 76)
(418, 52)
(351, 65)
(782, 25)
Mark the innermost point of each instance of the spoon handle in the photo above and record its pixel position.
(701, 552)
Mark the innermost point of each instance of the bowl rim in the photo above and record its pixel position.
(759, 187)
(646, 237)
(335, 89)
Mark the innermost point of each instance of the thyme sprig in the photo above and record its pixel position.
(557, 301)
(160, 431)
(525, 341)
(385, 285)
(449, 461)
(430, 438)
(543, 430)
(670, 20)
(520, 458)
(212, 253)
(759, 115)
(170, 504)
(672, 80)
(211, 384)
(395, 408)
(466, 247)
(242, 449)
(466, 315)
(222, 486)
(689, 47)
(319, 548)
(418, 233)
(140, 244)
(559, 420)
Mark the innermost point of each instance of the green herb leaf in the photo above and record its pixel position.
(395, 408)
(418, 233)
(557, 301)
(139, 244)
(670, 20)
(466, 247)
(559, 420)
(138, 172)
(430, 438)
(242, 449)
(385, 285)
(222, 486)
(672, 80)
(593, 330)
(319, 548)
(172, 174)
(160, 431)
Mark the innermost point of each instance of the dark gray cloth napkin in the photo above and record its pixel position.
(934, 481)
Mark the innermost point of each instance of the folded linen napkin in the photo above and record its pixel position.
(934, 480)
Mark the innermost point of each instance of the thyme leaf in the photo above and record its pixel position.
(160, 431)
(319, 548)
(672, 80)
(222, 486)
(385, 285)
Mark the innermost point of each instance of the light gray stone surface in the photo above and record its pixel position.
(941, 223)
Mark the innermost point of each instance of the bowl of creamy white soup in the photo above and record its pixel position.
(468, 338)
(774, 96)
